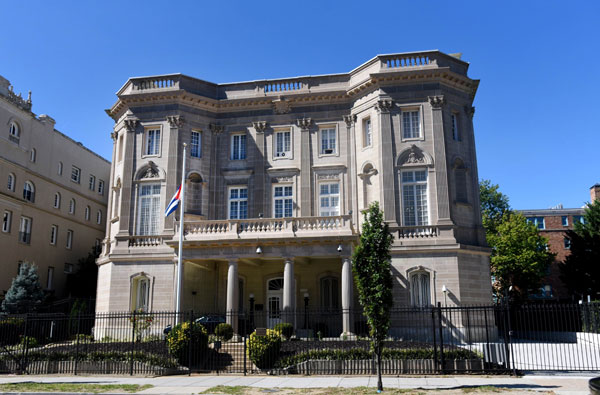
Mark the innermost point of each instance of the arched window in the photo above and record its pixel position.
(57, 200)
(420, 290)
(33, 155)
(149, 211)
(72, 206)
(330, 293)
(99, 217)
(11, 182)
(87, 213)
(140, 293)
(14, 132)
(29, 191)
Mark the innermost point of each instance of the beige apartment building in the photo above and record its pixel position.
(53, 195)
(278, 172)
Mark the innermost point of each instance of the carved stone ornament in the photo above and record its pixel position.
(384, 105)
(328, 176)
(259, 126)
(470, 110)
(281, 106)
(366, 175)
(113, 136)
(131, 124)
(282, 179)
(437, 102)
(176, 121)
(350, 119)
(151, 171)
(216, 129)
(414, 156)
(304, 123)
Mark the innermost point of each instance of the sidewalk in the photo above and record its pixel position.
(564, 384)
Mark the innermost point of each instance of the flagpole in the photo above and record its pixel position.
(181, 228)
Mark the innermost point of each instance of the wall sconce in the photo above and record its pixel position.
(339, 249)
(258, 250)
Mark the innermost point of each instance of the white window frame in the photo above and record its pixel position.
(101, 187)
(10, 183)
(53, 234)
(285, 149)
(57, 200)
(419, 124)
(14, 132)
(326, 211)
(329, 148)
(413, 185)
(75, 174)
(69, 244)
(367, 132)
(29, 194)
(539, 222)
(196, 146)
(418, 296)
(6, 221)
(564, 220)
(152, 141)
(92, 183)
(154, 210)
(237, 201)
(284, 198)
(72, 206)
(99, 217)
(25, 227)
(140, 292)
(68, 269)
(239, 154)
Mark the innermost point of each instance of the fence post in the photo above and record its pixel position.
(510, 355)
(435, 356)
(25, 346)
(77, 342)
(439, 308)
(245, 331)
(190, 342)
(133, 325)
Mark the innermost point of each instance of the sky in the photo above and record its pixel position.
(537, 113)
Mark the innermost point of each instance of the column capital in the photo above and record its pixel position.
(384, 105)
(437, 102)
(304, 123)
(346, 258)
(259, 126)
(131, 123)
(216, 128)
(350, 119)
(176, 121)
(288, 260)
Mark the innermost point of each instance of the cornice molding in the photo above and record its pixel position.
(349, 119)
(259, 126)
(304, 123)
(176, 121)
(437, 102)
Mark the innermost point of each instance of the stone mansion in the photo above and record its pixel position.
(278, 172)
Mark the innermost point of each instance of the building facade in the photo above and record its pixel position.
(278, 172)
(53, 195)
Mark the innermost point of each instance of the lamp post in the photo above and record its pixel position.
(305, 310)
(252, 310)
(445, 291)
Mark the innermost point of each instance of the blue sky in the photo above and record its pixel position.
(536, 122)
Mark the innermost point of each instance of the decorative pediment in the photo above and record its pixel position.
(149, 171)
(414, 156)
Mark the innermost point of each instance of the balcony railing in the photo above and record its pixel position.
(151, 83)
(145, 241)
(418, 232)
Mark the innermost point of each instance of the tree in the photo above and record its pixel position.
(373, 277)
(519, 255)
(494, 205)
(581, 269)
(82, 283)
(25, 290)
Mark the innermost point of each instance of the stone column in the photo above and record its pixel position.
(232, 295)
(111, 197)
(289, 292)
(131, 124)
(441, 170)
(347, 296)
(352, 166)
(386, 165)
(306, 198)
(174, 164)
(258, 199)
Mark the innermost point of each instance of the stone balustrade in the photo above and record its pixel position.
(284, 86)
(408, 60)
(144, 241)
(160, 82)
(418, 232)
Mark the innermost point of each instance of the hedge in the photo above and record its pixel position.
(263, 351)
(112, 356)
(179, 339)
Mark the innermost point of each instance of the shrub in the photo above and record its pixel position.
(84, 338)
(224, 331)
(285, 329)
(263, 351)
(11, 330)
(152, 338)
(31, 341)
(184, 335)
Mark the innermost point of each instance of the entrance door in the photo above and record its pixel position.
(274, 301)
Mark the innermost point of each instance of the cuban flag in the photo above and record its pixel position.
(172, 206)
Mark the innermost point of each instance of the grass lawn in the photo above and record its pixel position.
(238, 390)
(71, 387)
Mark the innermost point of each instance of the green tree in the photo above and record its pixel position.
(494, 205)
(373, 277)
(581, 269)
(519, 255)
(25, 290)
(82, 283)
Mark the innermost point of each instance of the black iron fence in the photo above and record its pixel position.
(479, 339)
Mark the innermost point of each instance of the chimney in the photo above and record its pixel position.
(595, 193)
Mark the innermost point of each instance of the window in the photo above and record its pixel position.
(149, 209)
(69, 239)
(14, 132)
(53, 234)
(414, 198)
(329, 196)
(57, 200)
(367, 134)
(537, 221)
(87, 213)
(68, 268)
(283, 144)
(238, 203)
(72, 206)
(29, 192)
(50, 277)
(460, 178)
(120, 151)
(196, 145)
(578, 218)
(567, 243)
(100, 187)
(330, 291)
(140, 293)
(97, 246)
(10, 185)
(60, 168)
(32, 155)
(411, 124)
(25, 230)
(6, 221)
(565, 220)
(92, 183)
(455, 131)
(328, 141)
(99, 217)
(420, 289)
(75, 174)
(152, 141)
(238, 146)
(283, 201)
